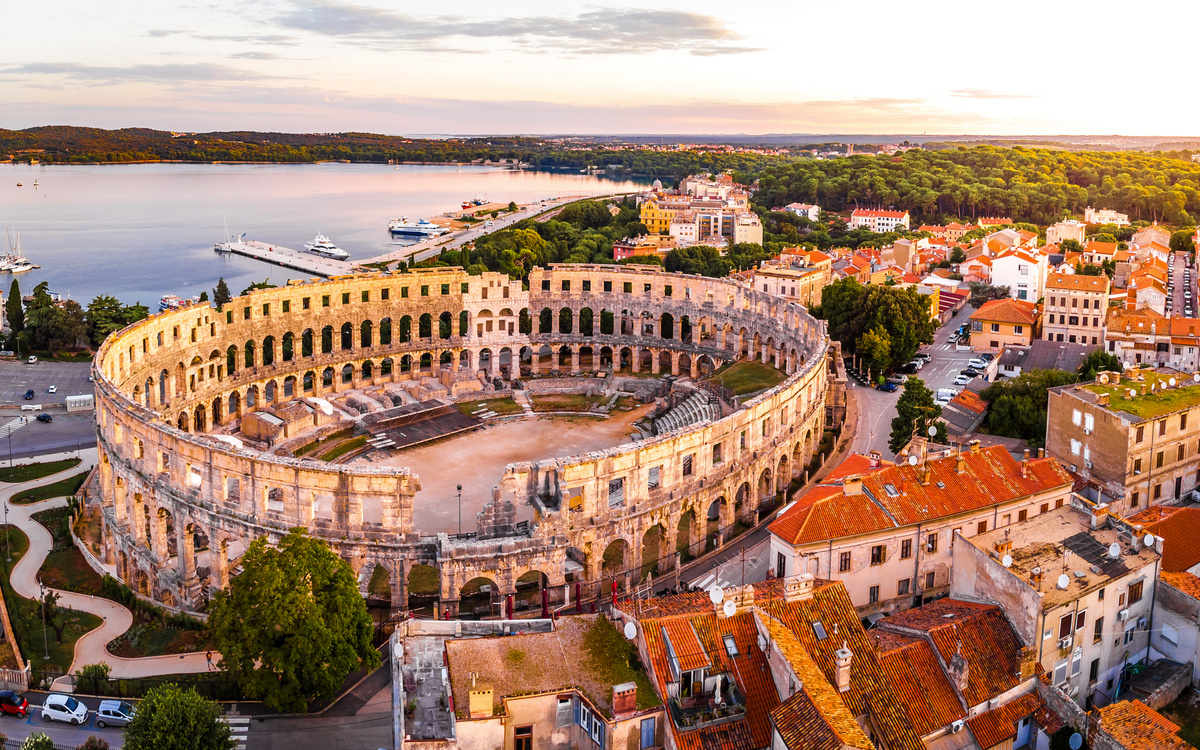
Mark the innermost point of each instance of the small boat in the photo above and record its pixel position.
(323, 247)
(18, 184)
(20, 266)
(422, 228)
(35, 183)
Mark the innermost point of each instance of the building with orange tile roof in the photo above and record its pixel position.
(1143, 336)
(796, 274)
(1176, 631)
(1009, 725)
(988, 222)
(1082, 609)
(1076, 308)
(878, 221)
(1022, 270)
(1002, 323)
(977, 269)
(885, 533)
(1132, 725)
(1104, 216)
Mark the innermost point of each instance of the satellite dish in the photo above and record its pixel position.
(1132, 393)
(729, 608)
(1006, 561)
(1171, 381)
(932, 431)
(1064, 581)
(1076, 741)
(1149, 540)
(715, 594)
(398, 650)
(1196, 378)
(1114, 550)
(630, 630)
(912, 460)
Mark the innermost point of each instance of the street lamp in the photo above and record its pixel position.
(459, 487)
(45, 643)
(7, 533)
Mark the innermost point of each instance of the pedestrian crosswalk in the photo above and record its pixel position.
(240, 726)
(12, 426)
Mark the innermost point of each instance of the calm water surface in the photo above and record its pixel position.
(140, 231)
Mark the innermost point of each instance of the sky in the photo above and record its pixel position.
(1020, 67)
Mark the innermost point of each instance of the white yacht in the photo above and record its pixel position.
(421, 228)
(322, 246)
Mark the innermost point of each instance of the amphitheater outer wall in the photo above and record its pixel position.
(161, 382)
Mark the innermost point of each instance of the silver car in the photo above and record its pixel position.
(114, 714)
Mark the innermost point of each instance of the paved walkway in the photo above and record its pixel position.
(92, 647)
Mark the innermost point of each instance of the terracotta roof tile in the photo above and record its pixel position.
(921, 686)
(1133, 724)
(1077, 281)
(684, 643)
(1007, 311)
(1181, 533)
(977, 631)
(1188, 583)
(824, 512)
(994, 727)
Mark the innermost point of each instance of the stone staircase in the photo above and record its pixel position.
(700, 406)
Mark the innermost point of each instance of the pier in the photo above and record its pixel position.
(297, 260)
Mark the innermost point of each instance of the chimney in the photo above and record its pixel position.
(798, 588)
(960, 463)
(974, 444)
(876, 459)
(841, 660)
(480, 701)
(624, 698)
(959, 671)
(1041, 452)
(1026, 454)
(852, 485)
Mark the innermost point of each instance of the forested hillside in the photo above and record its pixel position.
(1032, 185)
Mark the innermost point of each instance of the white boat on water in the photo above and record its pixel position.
(322, 246)
(21, 265)
(14, 262)
(421, 228)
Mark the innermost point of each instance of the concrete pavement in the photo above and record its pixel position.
(92, 647)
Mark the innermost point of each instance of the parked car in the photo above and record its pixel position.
(887, 387)
(45, 418)
(987, 356)
(12, 702)
(31, 361)
(923, 355)
(977, 363)
(909, 369)
(962, 380)
(29, 395)
(952, 338)
(970, 372)
(59, 707)
(114, 714)
(52, 389)
(898, 379)
(917, 363)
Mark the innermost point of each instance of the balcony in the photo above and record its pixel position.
(702, 710)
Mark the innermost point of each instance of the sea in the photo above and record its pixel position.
(141, 231)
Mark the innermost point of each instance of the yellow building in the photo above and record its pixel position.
(1003, 322)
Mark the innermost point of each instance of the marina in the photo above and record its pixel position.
(297, 260)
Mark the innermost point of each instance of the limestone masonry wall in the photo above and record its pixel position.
(163, 383)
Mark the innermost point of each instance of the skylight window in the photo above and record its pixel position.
(819, 629)
(891, 490)
(730, 645)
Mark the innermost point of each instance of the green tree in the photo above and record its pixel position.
(170, 718)
(14, 308)
(875, 346)
(915, 412)
(264, 284)
(957, 255)
(1070, 246)
(104, 316)
(1181, 241)
(292, 625)
(981, 293)
(66, 327)
(512, 206)
(221, 295)
(203, 297)
(1098, 361)
(1017, 406)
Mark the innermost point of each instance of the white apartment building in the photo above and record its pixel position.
(809, 211)
(1104, 216)
(879, 221)
(1066, 230)
(1023, 272)
(1078, 585)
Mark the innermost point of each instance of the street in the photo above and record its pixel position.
(28, 437)
(63, 734)
(16, 377)
(877, 408)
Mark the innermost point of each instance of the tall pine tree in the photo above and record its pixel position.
(14, 309)
(221, 295)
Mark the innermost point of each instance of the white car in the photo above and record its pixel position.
(59, 707)
(978, 363)
(962, 380)
(952, 338)
(52, 389)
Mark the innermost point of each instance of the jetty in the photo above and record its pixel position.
(298, 260)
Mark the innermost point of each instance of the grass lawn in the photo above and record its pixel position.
(66, 569)
(26, 472)
(61, 488)
(380, 585)
(748, 376)
(342, 449)
(565, 402)
(1186, 713)
(499, 405)
(155, 640)
(423, 581)
(614, 660)
(26, 617)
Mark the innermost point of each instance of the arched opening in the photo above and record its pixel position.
(379, 582)
(364, 334)
(545, 320)
(306, 343)
(347, 337)
(446, 358)
(201, 418)
(235, 400)
(252, 397)
(268, 351)
(586, 322)
(586, 358)
(687, 535)
(217, 413)
(288, 348)
(347, 373)
(230, 360)
(426, 362)
(685, 329)
(476, 598)
(405, 329)
(667, 326)
(464, 323)
(626, 362)
(249, 349)
(183, 421)
(269, 391)
(424, 588)
(704, 366)
(309, 379)
(425, 326)
(485, 360)
(385, 367)
(444, 322)
(162, 387)
(613, 567)
(766, 485)
(606, 356)
(525, 322)
(529, 589)
(664, 361)
(564, 357)
(327, 377)
(645, 360)
(566, 321)
(656, 558)
(606, 322)
(385, 332)
(685, 363)
(327, 340)
(367, 369)
(713, 523)
(406, 363)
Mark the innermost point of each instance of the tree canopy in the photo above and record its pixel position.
(915, 413)
(1017, 406)
(171, 718)
(292, 625)
(106, 314)
(853, 309)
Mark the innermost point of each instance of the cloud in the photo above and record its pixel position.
(247, 39)
(985, 94)
(604, 31)
(162, 32)
(108, 75)
(256, 55)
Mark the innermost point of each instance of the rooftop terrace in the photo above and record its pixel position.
(1163, 392)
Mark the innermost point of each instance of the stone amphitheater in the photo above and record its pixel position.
(172, 390)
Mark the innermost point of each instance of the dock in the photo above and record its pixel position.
(297, 260)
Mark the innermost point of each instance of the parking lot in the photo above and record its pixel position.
(1181, 288)
(18, 377)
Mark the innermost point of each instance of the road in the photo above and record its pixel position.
(18, 377)
(28, 437)
(1181, 291)
(63, 734)
(879, 408)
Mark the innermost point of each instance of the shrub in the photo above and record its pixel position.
(94, 743)
(38, 741)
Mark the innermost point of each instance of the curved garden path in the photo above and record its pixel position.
(91, 648)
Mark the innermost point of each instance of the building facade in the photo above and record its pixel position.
(1076, 308)
(1003, 322)
(879, 221)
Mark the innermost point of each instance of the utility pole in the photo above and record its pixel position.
(7, 532)
(459, 487)
(45, 643)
